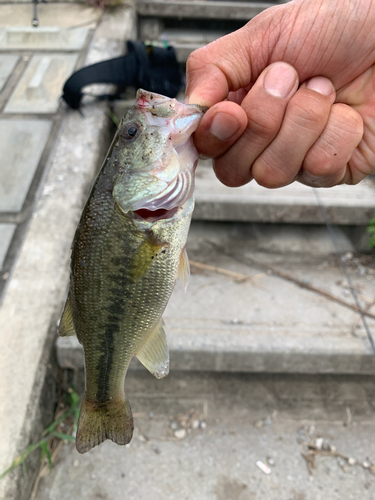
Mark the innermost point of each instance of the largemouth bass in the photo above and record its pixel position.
(127, 253)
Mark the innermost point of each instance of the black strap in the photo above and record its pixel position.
(153, 68)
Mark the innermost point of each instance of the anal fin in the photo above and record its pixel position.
(154, 354)
(66, 328)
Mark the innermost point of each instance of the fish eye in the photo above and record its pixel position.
(129, 131)
(132, 131)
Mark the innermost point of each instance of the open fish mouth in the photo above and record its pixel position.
(154, 215)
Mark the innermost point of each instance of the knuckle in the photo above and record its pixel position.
(328, 157)
(229, 174)
(263, 125)
(347, 119)
(198, 63)
(309, 116)
(269, 176)
(196, 60)
(320, 163)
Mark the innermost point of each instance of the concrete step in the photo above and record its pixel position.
(190, 24)
(239, 315)
(203, 9)
(51, 14)
(296, 203)
(183, 41)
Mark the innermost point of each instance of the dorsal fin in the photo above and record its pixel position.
(154, 354)
(183, 271)
(66, 328)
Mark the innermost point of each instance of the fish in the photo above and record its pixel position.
(128, 252)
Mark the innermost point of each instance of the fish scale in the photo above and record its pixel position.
(125, 261)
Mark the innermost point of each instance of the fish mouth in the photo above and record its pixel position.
(163, 106)
(147, 215)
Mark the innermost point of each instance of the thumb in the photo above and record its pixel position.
(234, 61)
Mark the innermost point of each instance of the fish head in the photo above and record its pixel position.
(157, 157)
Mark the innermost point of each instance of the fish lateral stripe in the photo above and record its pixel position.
(115, 310)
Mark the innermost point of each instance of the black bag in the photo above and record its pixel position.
(152, 68)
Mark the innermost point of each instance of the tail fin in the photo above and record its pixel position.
(100, 421)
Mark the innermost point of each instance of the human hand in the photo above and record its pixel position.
(263, 123)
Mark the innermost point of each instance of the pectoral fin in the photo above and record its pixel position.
(154, 354)
(66, 328)
(183, 271)
(145, 255)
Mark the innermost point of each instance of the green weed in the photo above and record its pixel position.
(371, 231)
(55, 433)
(114, 118)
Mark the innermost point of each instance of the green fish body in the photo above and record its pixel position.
(127, 253)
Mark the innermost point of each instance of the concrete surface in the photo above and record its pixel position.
(268, 324)
(40, 87)
(245, 419)
(204, 9)
(6, 234)
(39, 279)
(21, 143)
(188, 25)
(31, 85)
(49, 14)
(7, 65)
(38, 282)
(44, 38)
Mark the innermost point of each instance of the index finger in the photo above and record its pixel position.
(233, 61)
(217, 69)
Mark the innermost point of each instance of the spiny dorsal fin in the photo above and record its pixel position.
(66, 328)
(145, 256)
(154, 354)
(183, 273)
